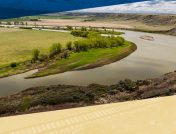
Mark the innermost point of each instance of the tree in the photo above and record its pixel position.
(69, 45)
(83, 29)
(9, 23)
(55, 49)
(16, 22)
(26, 24)
(69, 28)
(35, 54)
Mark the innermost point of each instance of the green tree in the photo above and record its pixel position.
(55, 49)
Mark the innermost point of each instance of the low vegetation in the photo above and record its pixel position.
(84, 32)
(39, 99)
(79, 52)
(92, 51)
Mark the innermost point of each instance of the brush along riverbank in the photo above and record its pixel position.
(87, 60)
(47, 98)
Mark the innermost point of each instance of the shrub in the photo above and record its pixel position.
(69, 28)
(83, 29)
(13, 64)
(35, 54)
(81, 45)
(128, 85)
(26, 102)
(9, 23)
(76, 45)
(34, 19)
(79, 33)
(43, 57)
(55, 49)
(93, 35)
(65, 54)
(69, 45)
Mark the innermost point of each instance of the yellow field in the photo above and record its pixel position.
(16, 45)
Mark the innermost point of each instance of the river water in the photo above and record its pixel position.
(151, 59)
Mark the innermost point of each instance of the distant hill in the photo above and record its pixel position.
(150, 19)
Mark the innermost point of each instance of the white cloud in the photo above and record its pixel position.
(155, 6)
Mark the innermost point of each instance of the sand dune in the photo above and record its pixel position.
(152, 116)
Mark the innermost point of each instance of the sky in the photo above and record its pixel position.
(155, 6)
(19, 8)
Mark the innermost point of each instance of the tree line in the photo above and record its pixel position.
(92, 39)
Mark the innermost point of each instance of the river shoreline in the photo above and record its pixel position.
(49, 98)
(150, 60)
(99, 63)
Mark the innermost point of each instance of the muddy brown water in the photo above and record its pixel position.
(151, 59)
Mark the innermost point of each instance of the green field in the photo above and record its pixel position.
(16, 45)
(86, 60)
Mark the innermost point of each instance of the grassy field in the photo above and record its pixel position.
(86, 60)
(16, 45)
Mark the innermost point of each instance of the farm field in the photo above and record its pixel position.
(16, 45)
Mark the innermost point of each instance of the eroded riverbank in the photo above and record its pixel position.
(46, 98)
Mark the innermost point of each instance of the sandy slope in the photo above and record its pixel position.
(152, 116)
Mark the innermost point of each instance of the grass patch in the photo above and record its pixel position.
(89, 59)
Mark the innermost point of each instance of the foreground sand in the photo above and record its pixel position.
(152, 116)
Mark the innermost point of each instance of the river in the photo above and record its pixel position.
(151, 59)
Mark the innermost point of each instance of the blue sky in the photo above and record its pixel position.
(18, 8)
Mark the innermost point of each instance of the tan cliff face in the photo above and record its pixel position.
(151, 116)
